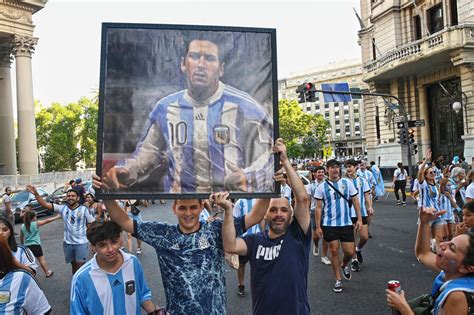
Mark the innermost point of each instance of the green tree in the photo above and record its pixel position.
(304, 134)
(67, 135)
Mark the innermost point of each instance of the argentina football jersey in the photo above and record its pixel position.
(194, 146)
(336, 211)
(362, 187)
(75, 223)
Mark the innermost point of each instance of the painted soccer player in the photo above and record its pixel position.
(208, 137)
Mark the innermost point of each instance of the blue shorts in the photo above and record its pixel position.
(76, 252)
(438, 221)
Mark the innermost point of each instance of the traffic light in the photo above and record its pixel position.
(300, 90)
(411, 136)
(403, 136)
(309, 91)
(414, 149)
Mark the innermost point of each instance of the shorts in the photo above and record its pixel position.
(36, 250)
(341, 233)
(438, 221)
(76, 252)
(243, 260)
(364, 220)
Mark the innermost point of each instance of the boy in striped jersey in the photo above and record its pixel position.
(333, 207)
(365, 200)
(112, 282)
(210, 136)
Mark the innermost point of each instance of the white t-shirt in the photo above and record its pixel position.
(399, 175)
(470, 191)
(6, 199)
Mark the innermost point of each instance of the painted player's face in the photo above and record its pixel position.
(452, 253)
(468, 217)
(278, 215)
(4, 231)
(108, 250)
(202, 68)
(72, 198)
(187, 211)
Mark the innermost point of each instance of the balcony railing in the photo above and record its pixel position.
(449, 38)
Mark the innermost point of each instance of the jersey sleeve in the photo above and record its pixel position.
(298, 233)
(27, 258)
(352, 190)
(77, 304)
(319, 193)
(365, 186)
(249, 240)
(145, 292)
(37, 303)
(237, 211)
(58, 208)
(150, 232)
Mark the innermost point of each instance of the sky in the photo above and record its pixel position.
(67, 57)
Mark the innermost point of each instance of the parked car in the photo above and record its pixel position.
(23, 197)
(58, 196)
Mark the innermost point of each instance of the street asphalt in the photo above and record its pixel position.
(387, 256)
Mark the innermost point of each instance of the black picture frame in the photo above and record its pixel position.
(136, 77)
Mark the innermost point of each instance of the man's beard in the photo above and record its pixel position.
(278, 229)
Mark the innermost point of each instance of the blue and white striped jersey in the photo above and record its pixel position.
(336, 211)
(445, 204)
(20, 293)
(285, 192)
(204, 215)
(95, 291)
(24, 255)
(362, 187)
(428, 195)
(368, 176)
(241, 208)
(310, 190)
(200, 144)
(75, 223)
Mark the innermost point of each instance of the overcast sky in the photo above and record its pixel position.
(66, 60)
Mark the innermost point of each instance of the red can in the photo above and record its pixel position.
(394, 285)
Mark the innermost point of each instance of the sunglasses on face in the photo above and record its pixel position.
(431, 172)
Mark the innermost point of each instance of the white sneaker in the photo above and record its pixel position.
(139, 251)
(325, 260)
(315, 250)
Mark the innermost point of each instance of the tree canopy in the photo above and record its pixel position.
(304, 133)
(67, 135)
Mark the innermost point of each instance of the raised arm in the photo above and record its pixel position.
(48, 220)
(41, 201)
(117, 214)
(231, 243)
(301, 196)
(421, 169)
(422, 246)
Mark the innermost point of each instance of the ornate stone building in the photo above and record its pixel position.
(423, 52)
(346, 119)
(17, 44)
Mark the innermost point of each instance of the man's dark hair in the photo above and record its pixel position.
(319, 167)
(469, 206)
(372, 162)
(333, 163)
(221, 41)
(72, 181)
(352, 162)
(74, 191)
(99, 231)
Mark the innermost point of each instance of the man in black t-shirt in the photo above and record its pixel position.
(278, 257)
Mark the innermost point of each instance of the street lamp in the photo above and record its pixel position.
(457, 107)
(459, 99)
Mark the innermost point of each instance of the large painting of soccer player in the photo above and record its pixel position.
(186, 111)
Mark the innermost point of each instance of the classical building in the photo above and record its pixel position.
(346, 119)
(17, 43)
(422, 52)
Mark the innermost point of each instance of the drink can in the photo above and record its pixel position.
(394, 285)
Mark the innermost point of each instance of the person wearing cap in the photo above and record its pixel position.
(75, 217)
(334, 199)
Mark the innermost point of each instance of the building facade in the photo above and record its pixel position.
(421, 51)
(346, 119)
(17, 43)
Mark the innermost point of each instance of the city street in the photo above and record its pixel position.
(387, 256)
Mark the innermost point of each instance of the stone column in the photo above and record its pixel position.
(28, 153)
(7, 129)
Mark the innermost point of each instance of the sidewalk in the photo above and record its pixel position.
(388, 188)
